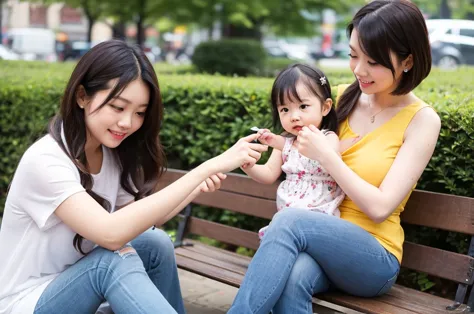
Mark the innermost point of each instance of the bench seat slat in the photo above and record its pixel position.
(213, 260)
(229, 267)
(388, 304)
(209, 271)
(403, 293)
(240, 261)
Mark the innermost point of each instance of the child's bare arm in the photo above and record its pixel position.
(267, 173)
(268, 138)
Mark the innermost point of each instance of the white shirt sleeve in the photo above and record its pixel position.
(42, 182)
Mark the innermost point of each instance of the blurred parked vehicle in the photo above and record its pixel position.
(334, 45)
(7, 54)
(294, 48)
(452, 42)
(153, 53)
(273, 49)
(71, 50)
(297, 48)
(33, 43)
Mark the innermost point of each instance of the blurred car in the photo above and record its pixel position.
(294, 48)
(33, 43)
(153, 53)
(273, 49)
(72, 50)
(297, 48)
(7, 54)
(452, 42)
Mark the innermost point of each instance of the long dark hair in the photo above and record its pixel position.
(284, 87)
(386, 26)
(140, 156)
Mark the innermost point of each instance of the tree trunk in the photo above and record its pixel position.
(90, 21)
(234, 31)
(444, 10)
(118, 30)
(140, 30)
(141, 12)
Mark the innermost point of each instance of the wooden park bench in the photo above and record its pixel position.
(241, 194)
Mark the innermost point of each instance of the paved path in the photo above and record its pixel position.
(205, 296)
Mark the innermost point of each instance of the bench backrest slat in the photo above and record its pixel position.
(241, 194)
(443, 211)
(436, 262)
(223, 233)
(238, 203)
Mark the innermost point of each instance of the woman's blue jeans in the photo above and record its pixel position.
(142, 278)
(304, 253)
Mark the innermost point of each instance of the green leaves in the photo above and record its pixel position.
(230, 56)
(205, 115)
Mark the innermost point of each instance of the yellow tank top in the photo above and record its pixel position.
(371, 158)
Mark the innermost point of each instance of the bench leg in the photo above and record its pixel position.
(183, 223)
(470, 301)
(462, 288)
(460, 295)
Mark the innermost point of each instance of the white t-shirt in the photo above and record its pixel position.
(35, 245)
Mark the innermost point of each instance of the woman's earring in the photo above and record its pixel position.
(406, 70)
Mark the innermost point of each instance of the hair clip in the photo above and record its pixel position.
(323, 80)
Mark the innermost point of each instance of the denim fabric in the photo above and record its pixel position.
(304, 253)
(141, 277)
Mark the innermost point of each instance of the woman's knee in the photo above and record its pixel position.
(157, 242)
(294, 218)
(126, 257)
(286, 217)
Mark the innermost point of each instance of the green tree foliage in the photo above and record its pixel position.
(449, 9)
(291, 17)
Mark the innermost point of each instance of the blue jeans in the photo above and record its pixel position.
(304, 253)
(139, 280)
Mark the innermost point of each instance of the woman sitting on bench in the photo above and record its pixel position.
(387, 136)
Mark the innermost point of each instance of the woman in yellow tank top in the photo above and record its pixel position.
(387, 136)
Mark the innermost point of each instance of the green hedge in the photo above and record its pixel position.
(230, 56)
(204, 115)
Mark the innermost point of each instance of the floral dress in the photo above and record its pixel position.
(307, 186)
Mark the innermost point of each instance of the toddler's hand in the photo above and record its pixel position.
(312, 143)
(266, 137)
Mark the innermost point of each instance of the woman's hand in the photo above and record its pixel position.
(212, 183)
(313, 144)
(266, 137)
(241, 153)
